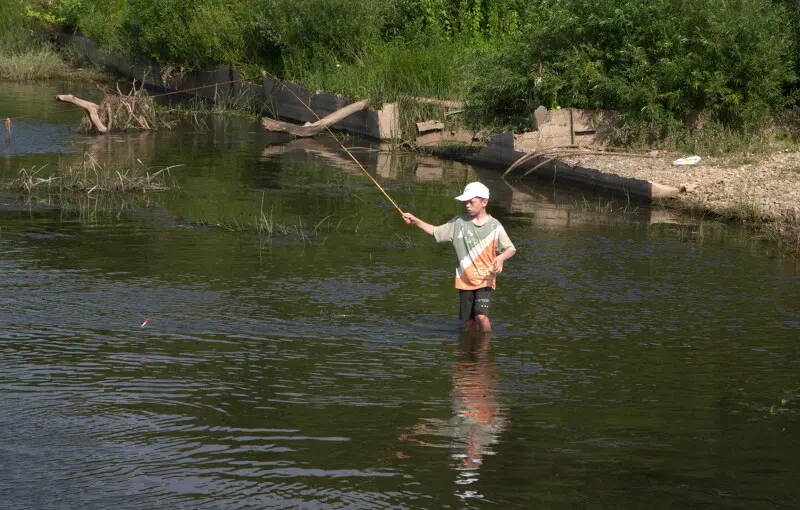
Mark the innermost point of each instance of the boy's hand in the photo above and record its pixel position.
(497, 266)
(410, 219)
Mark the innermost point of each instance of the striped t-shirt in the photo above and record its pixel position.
(476, 248)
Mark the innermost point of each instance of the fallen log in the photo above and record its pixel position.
(316, 127)
(439, 102)
(91, 110)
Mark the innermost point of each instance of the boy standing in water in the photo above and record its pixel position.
(481, 245)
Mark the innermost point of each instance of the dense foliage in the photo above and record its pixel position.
(658, 62)
(655, 61)
(12, 25)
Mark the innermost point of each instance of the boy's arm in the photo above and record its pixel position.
(505, 244)
(507, 254)
(410, 219)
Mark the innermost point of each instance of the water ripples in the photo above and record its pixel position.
(281, 383)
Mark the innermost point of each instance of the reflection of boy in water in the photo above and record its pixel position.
(477, 416)
(477, 420)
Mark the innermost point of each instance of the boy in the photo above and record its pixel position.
(481, 245)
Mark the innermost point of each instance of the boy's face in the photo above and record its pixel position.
(475, 206)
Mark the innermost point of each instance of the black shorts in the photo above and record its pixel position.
(475, 302)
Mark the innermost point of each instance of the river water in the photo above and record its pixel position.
(637, 359)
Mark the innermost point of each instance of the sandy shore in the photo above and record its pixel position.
(769, 184)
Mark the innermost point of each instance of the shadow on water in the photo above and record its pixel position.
(637, 360)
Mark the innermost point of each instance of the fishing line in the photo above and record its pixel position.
(389, 198)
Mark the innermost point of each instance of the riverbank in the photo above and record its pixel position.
(762, 192)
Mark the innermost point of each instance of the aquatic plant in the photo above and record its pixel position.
(781, 232)
(744, 210)
(784, 233)
(91, 177)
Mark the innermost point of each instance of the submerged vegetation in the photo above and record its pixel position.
(91, 177)
(781, 231)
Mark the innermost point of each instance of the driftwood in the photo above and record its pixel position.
(135, 110)
(439, 102)
(311, 129)
(90, 107)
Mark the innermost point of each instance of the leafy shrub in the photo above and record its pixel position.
(99, 20)
(481, 19)
(315, 34)
(189, 32)
(656, 61)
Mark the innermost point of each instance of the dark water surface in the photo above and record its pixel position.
(635, 363)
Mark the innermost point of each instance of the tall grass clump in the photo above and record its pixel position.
(42, 63)
(785, 233)
(659, 63)
(422, 66)
(91, 177)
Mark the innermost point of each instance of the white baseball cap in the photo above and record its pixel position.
(472, 190)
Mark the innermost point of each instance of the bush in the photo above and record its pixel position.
(315, 34)
(656, 62)
(100, 20)
(188, 32)
(480, 19)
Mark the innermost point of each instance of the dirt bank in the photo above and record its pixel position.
(768, 185)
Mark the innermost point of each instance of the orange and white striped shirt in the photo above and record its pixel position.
(476, 248)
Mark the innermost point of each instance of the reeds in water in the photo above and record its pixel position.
(91, 177)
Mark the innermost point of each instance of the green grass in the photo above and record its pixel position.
(435, 68)
(36, 64)
(745, 211)
(42, 62)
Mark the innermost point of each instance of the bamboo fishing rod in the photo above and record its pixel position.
(376, 183)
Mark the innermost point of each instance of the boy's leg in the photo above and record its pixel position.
(481, 306)
(483, 323)
(466, 308)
